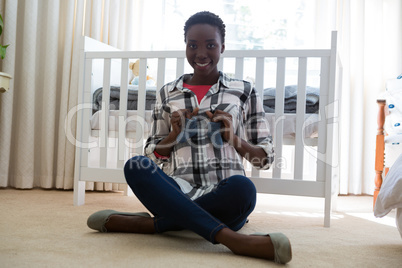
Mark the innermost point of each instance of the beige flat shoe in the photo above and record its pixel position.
(98, 220)
(282, 247)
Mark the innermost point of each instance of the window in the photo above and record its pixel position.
(250, 24)
(256, 24)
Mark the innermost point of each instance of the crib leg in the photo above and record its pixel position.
(327, 211)
(327, 217)
(334, 202)
(79, 193)
(128, 191)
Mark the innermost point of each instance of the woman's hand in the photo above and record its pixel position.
(178, 120)
(227, 124)
(256, 155)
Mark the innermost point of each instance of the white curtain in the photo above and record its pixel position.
(43, 60)
(42, 38)
(370, 47)
(43, 57)
(370, 50)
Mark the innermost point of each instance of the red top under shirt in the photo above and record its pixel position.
(200, 91)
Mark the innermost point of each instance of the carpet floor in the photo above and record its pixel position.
(41, 228)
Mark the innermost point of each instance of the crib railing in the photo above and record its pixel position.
(271, 62)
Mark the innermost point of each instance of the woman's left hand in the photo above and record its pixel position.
(256, 155)
(227, 126)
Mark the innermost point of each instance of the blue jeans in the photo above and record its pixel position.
(228, 205)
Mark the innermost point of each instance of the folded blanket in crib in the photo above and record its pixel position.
(290, 102)
(132, 98)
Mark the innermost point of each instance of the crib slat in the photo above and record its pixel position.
(140, 120)
(239, 68)
(160, 81)
(179, 67)
(259, 84)
(300, 118)
(104, 122)
(121, 149)
(220, 64)
(85, 125)
(322, 123)
(279, 116)
(259, 76)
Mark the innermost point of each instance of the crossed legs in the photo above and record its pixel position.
(215, 216)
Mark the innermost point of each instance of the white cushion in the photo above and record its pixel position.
(393, 96)
(399, 220)
(393, 139)
(390, 195)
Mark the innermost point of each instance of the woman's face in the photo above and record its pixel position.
(203, 50)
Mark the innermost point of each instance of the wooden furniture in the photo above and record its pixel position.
(380, 148)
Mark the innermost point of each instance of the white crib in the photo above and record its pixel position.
(119, 134)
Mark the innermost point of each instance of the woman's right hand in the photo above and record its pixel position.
(178, 119)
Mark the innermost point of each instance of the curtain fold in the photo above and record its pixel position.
(9, 14)
(24, 127)
(49, 95)
(71, 33)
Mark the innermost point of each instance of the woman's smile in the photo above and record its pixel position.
(202, 64)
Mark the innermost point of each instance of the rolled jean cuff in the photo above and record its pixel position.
(215, 231)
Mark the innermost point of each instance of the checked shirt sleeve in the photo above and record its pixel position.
(257, 128)
(160, 128)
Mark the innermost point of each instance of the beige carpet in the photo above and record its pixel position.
(40, 228)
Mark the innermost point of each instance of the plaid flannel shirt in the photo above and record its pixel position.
(197, 165)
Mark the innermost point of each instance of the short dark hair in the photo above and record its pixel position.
(205, 17)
